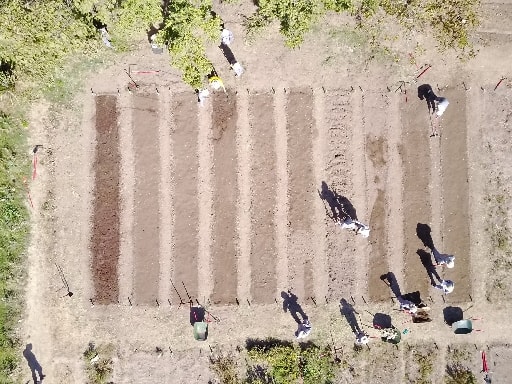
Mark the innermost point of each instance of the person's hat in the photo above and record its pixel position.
(448, 286)
(451, 263)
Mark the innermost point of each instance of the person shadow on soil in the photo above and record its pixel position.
(290, 304)
(33, 364)
(426, 260)
(340, 206)
(390, 280)
(414, 297)
(228, 54)
(423, 232)
(425, 92)
(349, 312)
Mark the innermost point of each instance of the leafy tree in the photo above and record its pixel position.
(189, 26)
(296, 17)
(316, 365)
(451, 21)
(287, 363)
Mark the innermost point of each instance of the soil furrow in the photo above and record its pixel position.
(301, 191)
(340, 247)
(281, 214)
(106, 202)
(146, 233)
(416, 193)
(186, 209)
(320, 273)
(165, 194)
(375, 126)
(245, 186)
(264, 182)
(455, 195)
(225, 184)
(127, 182)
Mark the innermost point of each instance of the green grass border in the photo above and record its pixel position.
(14, 229)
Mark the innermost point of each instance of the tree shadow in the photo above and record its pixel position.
(290, 304)
(424, 233)
(426, 260)
(340, 206)
(452, 315)
(266, 345)
(307, 345)
(33, 364)
(347, 310)
(258, 374)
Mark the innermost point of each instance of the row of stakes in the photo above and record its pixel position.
(400, 88)
(422, 70)
(237, 301)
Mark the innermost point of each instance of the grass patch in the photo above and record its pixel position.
(224, 365)
(458, 374)
(273, 361)
(456, 370)
(500, 252)
(70, 78)
(282, 363)
(99, 364)
(14, 165)
(421, 364)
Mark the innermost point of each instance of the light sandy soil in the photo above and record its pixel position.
(221, 204)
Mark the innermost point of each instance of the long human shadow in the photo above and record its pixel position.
(228, 53)
(392, 283)
(33, 364)
(426, 260)
(340, 206)
(349, 312)
(412, 297)
(424, 234)
(290, 304)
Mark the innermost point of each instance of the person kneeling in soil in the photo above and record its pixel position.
(304, 329)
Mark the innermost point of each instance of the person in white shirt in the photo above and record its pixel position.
(304, 329)
(441, 105)
(446, 286)
(443, 259)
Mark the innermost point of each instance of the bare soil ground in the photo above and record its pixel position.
(146, 200)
